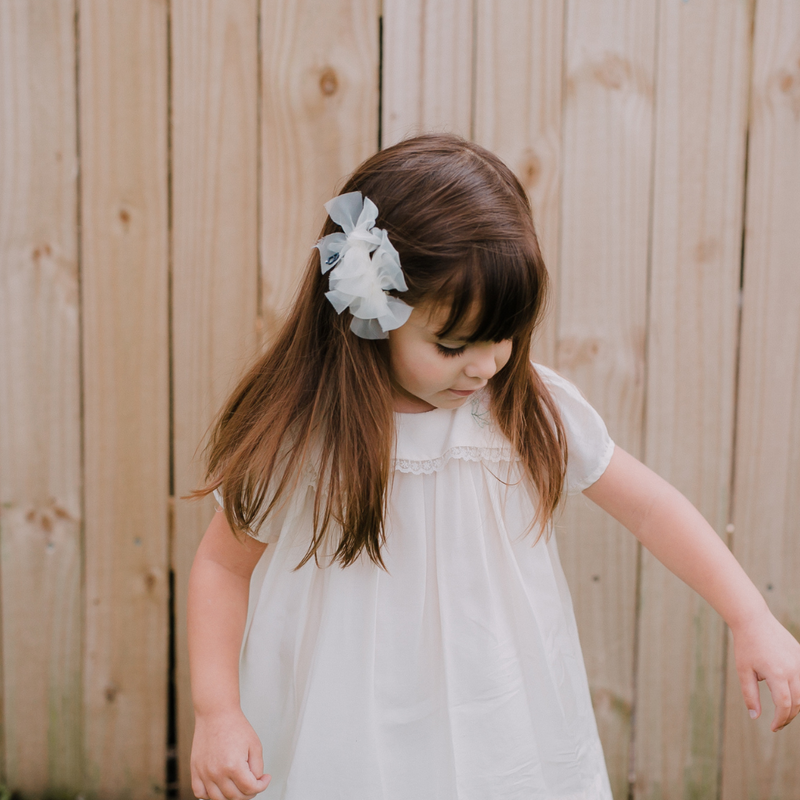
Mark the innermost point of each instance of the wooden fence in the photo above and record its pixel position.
(163, 165)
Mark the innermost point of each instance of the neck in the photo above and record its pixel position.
(404, 402)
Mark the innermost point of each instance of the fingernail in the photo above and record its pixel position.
(753, 713)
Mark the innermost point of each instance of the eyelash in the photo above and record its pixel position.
(450, 351)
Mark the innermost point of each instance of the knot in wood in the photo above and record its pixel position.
(531, 169)
(328, 81)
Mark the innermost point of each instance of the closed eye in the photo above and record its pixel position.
(450, 351)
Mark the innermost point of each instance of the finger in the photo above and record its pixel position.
(256, 763)
(749, 683)
(199, 788)
(231, 789)
(794, 686)
(214, 792)
(782, 697)
(247, 784)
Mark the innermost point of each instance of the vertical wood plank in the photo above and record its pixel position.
(427, 68)
(757, 762)
(319, 120)
(518, 77)
(701, 119)
(40, 463)
(608, 110)
(214, 261)
(123, 146)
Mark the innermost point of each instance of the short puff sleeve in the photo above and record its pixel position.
(589, 447)
(270, 531)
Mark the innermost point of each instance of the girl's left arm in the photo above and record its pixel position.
(675, 532)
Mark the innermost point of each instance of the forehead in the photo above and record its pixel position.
(433, 318)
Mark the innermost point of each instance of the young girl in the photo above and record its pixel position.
(396, 624)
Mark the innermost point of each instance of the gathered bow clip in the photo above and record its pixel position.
(364, 265)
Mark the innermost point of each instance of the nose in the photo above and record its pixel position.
(483, 363)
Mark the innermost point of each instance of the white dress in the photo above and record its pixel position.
(456, 674)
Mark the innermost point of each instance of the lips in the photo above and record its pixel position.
(466, 393)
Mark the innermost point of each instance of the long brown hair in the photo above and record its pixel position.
(463, 228)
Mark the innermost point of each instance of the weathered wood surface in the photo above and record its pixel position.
(214, 46)
(700, 125)
(625, 121)
(602, 315)
(40, 461)
(428, 54)
(319, 120)
(124, 285)
(517, 113)
(758, 763)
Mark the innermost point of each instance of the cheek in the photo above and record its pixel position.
(418, 368)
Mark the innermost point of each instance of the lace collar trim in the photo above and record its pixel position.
(492, 455)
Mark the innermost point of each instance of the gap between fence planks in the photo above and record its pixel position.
(428, 52)
(124, 283)
(606, 151)
(757, 762)
(214, 136)
(517, 115)
(40, 469)
(319, 120)
(691, 363)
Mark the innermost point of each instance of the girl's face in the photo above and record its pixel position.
(428, 372)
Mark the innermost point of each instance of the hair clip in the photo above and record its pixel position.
(364, 266)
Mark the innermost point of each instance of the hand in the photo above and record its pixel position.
(226, 758)
(766, 651)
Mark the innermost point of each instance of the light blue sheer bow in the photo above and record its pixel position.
(364, 264)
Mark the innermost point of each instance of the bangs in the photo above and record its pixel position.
(494, 297)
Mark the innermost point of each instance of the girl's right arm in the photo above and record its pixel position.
(226, 757)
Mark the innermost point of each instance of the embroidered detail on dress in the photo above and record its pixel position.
(491, 454)
(480, 410)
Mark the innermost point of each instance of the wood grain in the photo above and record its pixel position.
(427, 68)
(625, 121)
(124, 217)
(758, 763)
(518, 73)
(607, 154)
(214, 261)
(319, 120)
(700, 127)
(40, 466)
